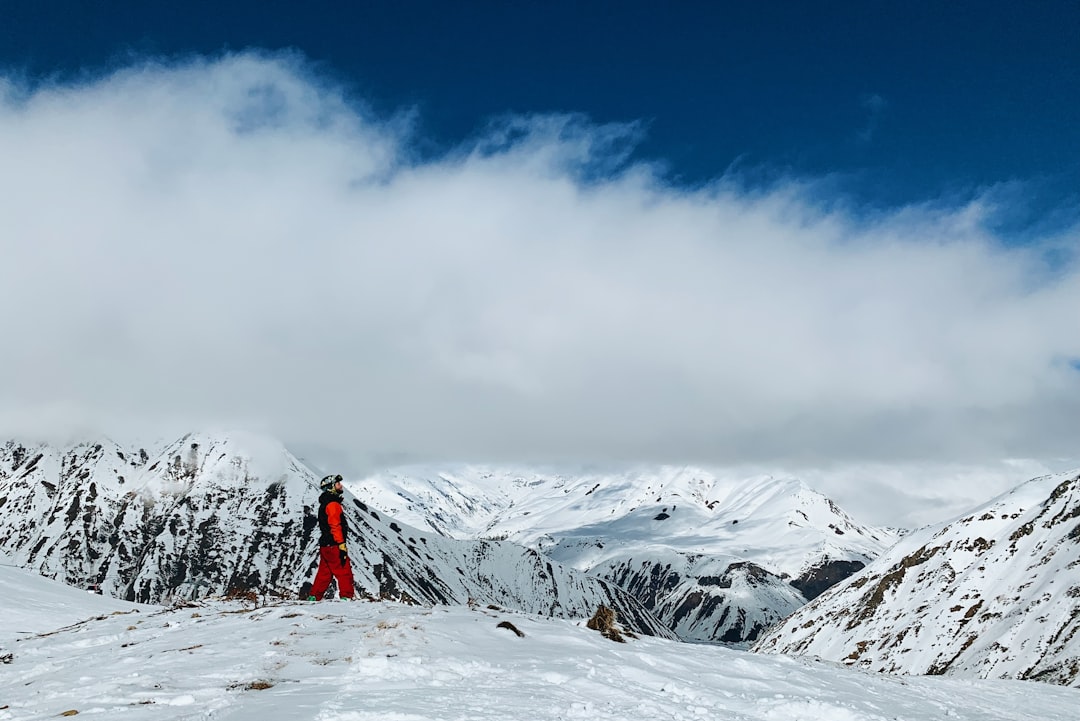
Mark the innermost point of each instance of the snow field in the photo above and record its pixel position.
(338, 661)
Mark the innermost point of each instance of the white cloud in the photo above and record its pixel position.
(232, 240)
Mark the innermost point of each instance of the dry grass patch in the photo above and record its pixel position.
(604, 622)
(258, 685)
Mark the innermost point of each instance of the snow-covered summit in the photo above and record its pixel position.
(242, 460)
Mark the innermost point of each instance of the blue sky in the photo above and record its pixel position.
(784, 236)
(894, 102)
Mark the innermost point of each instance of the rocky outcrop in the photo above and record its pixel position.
(821, 577)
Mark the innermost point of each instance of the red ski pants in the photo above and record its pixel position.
(330, 564)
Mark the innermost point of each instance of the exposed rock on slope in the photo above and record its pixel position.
(995, 594)
(706, 598)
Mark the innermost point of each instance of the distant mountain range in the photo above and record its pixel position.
(213, 514)
(678, 552)
(713, 559)
(995, 594)
(717, 559)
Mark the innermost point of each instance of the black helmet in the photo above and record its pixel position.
(328, 483)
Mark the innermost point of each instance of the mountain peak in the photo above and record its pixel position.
(221, 459)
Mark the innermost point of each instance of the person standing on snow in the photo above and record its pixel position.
(333, 554)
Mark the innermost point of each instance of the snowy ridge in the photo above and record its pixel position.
(230, 660)
(716, 558)
(214, 513)
(995, 594)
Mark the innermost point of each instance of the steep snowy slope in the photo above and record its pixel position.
(31, 604)
(58, 505)
(995, 594)
(237, 512)
(717, 558)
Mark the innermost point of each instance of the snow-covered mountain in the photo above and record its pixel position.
(286, 661)
(214, 513)
(995, 594)
(716, 558)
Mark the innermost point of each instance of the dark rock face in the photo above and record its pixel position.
(821, 578)
(733, 606)
(649, 583)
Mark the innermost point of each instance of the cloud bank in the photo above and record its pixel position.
(236, 240)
